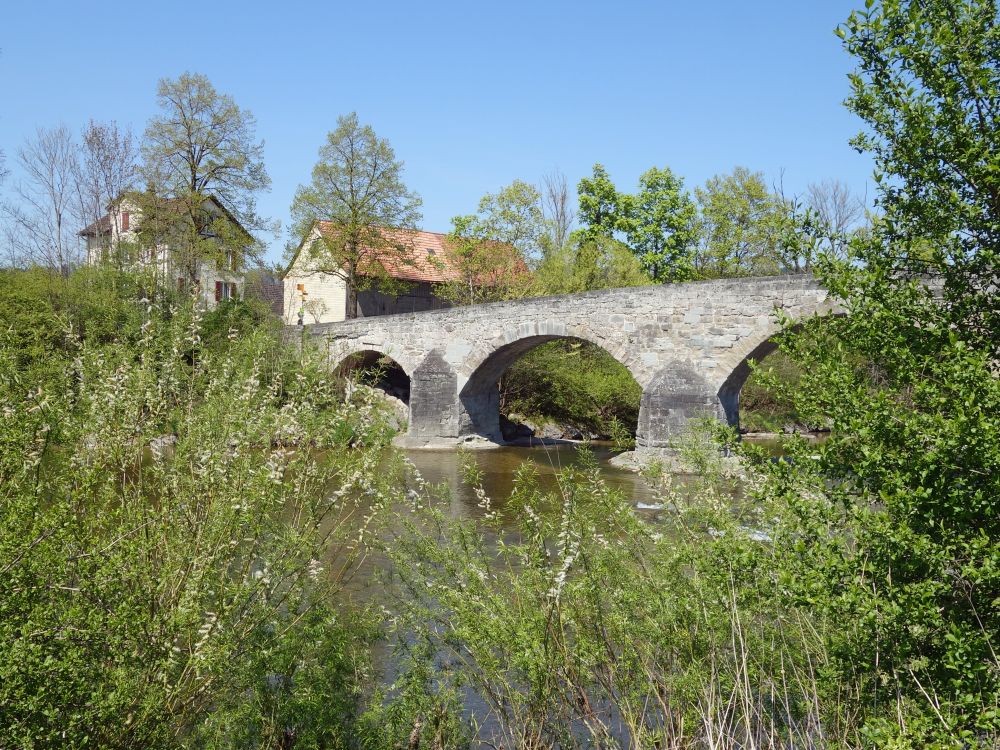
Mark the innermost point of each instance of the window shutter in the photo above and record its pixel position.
(218, 291)
(124, 221)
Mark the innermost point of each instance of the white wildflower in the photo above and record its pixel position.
(313, 569)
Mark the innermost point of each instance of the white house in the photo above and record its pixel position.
(321, 296)
(116, 236)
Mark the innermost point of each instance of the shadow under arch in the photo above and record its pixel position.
(378, 370)
(732, 386)
(729, 393)
(479, 398)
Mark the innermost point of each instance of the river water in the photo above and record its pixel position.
(498, 468)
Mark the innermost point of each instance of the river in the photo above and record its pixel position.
(498, 468)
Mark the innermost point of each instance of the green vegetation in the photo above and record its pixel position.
(573, 383)
(764, 408)
(592, 626)
(488, 249)
(167, 526)
(584, 264)
(743, 226)
(659, 223)
(184, 496)
(202, 147)
(852, 599)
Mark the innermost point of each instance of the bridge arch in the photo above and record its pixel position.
(376, 369)
(735, 367)
(732, 386)
(479, 394)
(687, 345)
(342, 357)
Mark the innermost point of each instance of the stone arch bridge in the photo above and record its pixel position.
(686, 344)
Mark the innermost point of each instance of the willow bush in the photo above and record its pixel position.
(175, 520)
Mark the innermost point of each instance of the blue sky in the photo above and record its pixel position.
(470, 95)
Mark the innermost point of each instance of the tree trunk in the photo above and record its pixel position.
(352, 293)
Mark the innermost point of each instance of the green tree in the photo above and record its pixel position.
(202, 146)
(658, 223)
(898, 536)
(512, 216)
(488, 249)
(600, 211)
(927, 88)
(744, 226)
(585, 264)
(357, 190)
(661, 225)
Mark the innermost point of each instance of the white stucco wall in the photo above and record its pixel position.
(209, 274)
(326, 298)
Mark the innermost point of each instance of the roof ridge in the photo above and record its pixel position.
(398, 229)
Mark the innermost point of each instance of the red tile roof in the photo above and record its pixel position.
(101, 226)
(429, 259)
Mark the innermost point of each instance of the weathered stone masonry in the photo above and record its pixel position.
(687, 346)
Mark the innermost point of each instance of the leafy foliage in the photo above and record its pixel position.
(171, 498)
(357, 190)
(585, 264)
(205, 144)
(202, 146)
(488, 250)
(573, 382)
(583, 624)
(743, 225)
(657, 223)
(926, 86)
(898, 513)
(764, 408)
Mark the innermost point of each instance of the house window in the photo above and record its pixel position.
(232, 259)
(225, 290)
(124, 221)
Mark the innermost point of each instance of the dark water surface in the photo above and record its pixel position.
(499, 466)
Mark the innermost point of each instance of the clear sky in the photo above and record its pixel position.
(471, 95)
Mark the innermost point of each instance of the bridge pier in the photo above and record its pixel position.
(433, 404)
(676, 396)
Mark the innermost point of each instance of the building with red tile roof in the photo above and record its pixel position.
(320, 294)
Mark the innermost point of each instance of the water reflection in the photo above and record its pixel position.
(499, 467)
